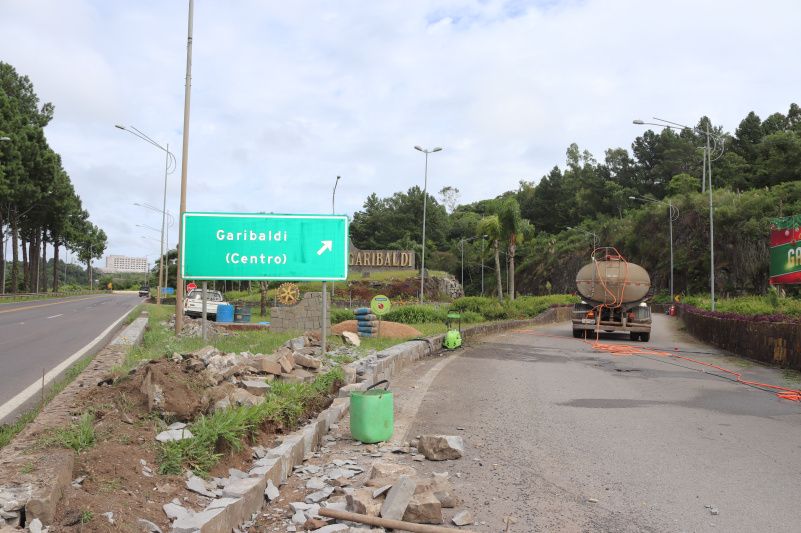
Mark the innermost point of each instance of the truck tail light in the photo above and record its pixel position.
(591, 314)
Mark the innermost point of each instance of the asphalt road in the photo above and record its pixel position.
(39, 335)
(564, 438)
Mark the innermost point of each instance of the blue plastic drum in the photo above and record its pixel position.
(225, 313)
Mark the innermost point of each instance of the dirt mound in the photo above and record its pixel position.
(173, 390)
(389, 330)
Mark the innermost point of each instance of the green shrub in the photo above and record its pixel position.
(522, 307)
(339, 314)
(470, 317)
(416, 314)
(482, 305)
(749, 305)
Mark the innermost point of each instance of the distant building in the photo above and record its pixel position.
(123, 263)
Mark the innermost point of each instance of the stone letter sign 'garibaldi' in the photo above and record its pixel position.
(380, 259)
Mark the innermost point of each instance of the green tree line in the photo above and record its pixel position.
(521, 241)
(38, 203)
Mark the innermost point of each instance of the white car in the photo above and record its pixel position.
(193, 303)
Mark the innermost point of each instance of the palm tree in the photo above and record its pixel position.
(512, 232)
(491, 227)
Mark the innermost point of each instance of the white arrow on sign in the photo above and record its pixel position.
(327, 245)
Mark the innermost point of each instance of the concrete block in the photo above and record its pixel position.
(211, 521)
(398, 498)
(43, 502)
(250, 490)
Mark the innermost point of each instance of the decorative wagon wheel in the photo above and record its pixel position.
(288, 293)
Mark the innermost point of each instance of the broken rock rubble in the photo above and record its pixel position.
(441, 447)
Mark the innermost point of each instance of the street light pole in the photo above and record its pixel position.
(425, 203)
(179, 289)
(166, 240)
(482, 264)
(594, 236)
(169, 160)
(673, 214)
(718, 146)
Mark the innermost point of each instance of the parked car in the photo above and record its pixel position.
(193, 303)
(144, 290)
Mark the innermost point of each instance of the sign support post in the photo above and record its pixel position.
(324, 328)
(203, 326)
(380, 305)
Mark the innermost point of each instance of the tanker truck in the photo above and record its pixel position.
(614, 294)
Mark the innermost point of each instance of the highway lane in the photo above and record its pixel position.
(566, 438)
(39, 335)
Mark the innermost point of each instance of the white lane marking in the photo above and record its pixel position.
(34, 388)
(55, 316)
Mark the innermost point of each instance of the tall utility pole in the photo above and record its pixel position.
(673, 215)
(713, 143)
(425, 202)
(179, 288)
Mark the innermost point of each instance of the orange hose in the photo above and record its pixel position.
(628, 350)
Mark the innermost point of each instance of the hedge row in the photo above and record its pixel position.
(472, 308)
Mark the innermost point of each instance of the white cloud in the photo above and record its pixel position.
(288, 95)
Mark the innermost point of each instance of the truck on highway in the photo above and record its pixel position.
(614, 296)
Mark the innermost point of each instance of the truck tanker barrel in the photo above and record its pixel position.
(613, 282)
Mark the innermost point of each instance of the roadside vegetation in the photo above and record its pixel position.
(769, 306)
(9, 299)
(78, 436)
(160, 341)
(283, 408)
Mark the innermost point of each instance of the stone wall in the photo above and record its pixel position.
(777, 343)
(307, 315)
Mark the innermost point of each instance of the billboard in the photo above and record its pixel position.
(785, 250)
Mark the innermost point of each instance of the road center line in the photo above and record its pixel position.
(51, 303)
(55, 316)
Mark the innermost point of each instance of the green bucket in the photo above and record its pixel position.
(372, 416)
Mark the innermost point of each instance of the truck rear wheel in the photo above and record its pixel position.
(578, 333)
(634, 336)
(645, 337)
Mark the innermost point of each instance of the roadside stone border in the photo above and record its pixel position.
(244, 497)
(774, 343)
(53, 468)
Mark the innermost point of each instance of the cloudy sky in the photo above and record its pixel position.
(288, 95)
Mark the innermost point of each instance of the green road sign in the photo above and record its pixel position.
(380, 305)
(256, 246)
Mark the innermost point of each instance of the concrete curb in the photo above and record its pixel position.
(244, 497)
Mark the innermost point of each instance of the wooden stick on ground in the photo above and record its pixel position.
(387, 523)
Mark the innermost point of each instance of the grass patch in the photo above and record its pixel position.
(9, 431)
(78, 436)
(158, 341)
(284, 406)
(134, 314)
(44, 296)
(749, 305)
(791, 376)
(86, 516)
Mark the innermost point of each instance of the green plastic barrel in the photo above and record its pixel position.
(372, 414)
